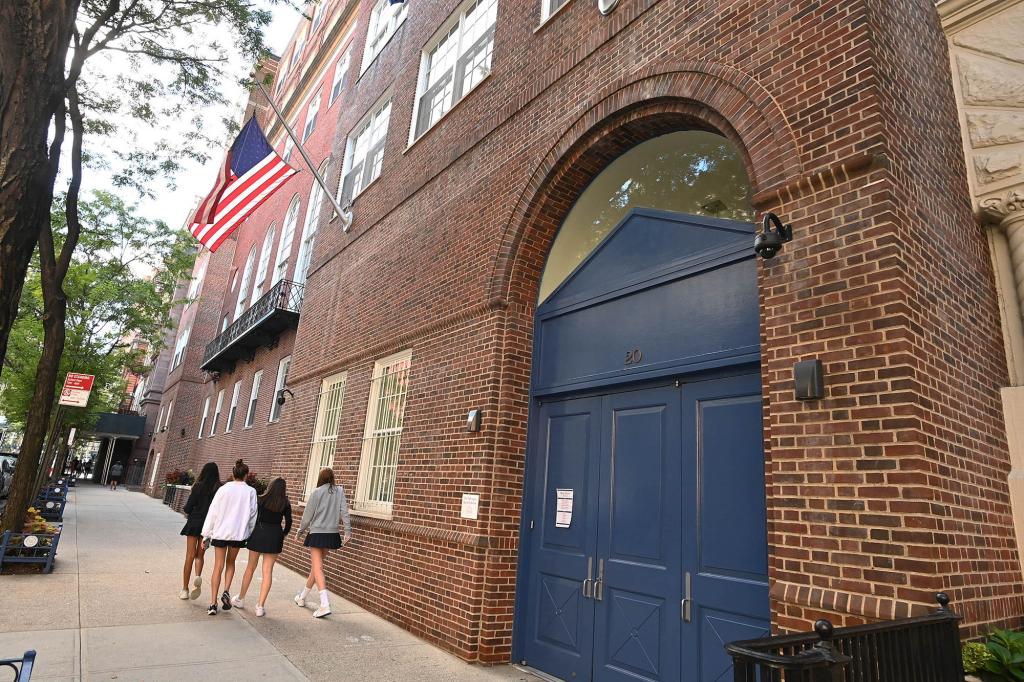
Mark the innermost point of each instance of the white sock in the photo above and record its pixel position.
(305, 591)
(325, 601)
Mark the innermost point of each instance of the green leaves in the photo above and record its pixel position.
(1003, 660)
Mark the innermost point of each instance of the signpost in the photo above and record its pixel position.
(77, 388)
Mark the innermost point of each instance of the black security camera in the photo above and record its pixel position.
(770, 241)
(280, 396)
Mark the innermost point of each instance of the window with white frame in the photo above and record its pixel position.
(167, 417)
(233, 409)
(340, 76)
(216, 412)
(284, 249)
(311, 113)
(289, 146)
(156, 468)
(364, 153)
(309, 228)
(254, 394)
(385, 412)
(325, 431)
(197, 280)
(384, 22)
(455, 62)
(300, 41)
(282, 380)
(316, 16)
(160, 417)
(206, 415)
(180, 346)
(261, 271)
(243, 289)
(223, 324)
(282, 72)
(549, 7)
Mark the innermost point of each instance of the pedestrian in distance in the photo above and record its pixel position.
(229, 523)
(196, 509)
(266, 542)
(326, 510)
(115, 474)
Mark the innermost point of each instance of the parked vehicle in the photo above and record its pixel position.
(7, 465)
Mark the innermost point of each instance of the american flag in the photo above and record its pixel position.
(252, 172)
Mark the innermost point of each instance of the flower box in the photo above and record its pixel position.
(29, 548)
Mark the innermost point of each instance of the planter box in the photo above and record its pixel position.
(51, 510)
(168, 493)
(181, 493)
(29, 548)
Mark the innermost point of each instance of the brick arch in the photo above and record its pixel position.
(701, 95)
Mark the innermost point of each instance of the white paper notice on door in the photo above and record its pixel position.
(563, 507)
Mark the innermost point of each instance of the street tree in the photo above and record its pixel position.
(119, 286)
(101, 63)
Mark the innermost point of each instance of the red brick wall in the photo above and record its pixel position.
(889, 489)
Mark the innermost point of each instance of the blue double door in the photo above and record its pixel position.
(646, 532)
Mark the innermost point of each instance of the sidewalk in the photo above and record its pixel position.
(110, 610)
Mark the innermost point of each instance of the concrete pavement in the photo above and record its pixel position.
(110, 611)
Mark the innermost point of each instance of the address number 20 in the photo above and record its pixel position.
(634, 356)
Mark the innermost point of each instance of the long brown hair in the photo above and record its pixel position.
(276, 497)
(326, 476)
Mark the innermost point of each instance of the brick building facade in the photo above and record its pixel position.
(424, 308)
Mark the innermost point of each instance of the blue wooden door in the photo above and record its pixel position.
(558, 611)
(725, 539)
(637, 598)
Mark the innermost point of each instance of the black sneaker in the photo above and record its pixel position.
(212, 611)
(225, 600)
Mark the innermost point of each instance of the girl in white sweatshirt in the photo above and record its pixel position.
(229, 523)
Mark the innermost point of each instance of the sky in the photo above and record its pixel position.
(172, 205)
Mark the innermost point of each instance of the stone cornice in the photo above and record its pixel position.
(958, 14)
(1007, 206)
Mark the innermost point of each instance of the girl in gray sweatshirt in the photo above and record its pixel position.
(326, 510)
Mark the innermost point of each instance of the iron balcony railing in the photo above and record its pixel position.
(921, 649)
(275, 310)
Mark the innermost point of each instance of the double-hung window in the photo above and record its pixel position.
(216, 412)
(261, 271)
(167, 417)
(289, 146)
(206, 415)
(233, 410)
(455, 62)
(197, 281)
(311, 113)
(181, 346)
(549, 7)
(254, 394)
(364, 153)
(284, 249)
(340, 76)
(317, 16)
(282, 380)
(243, 289)
(160, 417)
(316, 202)
(384, 22)
(385, 412)
(325, 430)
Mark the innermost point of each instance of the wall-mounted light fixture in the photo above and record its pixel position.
(473, 420)
(809, 380)
(280, 396)
(770, 241)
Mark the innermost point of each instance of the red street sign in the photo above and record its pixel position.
(76, 389)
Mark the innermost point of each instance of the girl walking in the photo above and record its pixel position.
(266, 541)
(327, 508)
(229, 523)
(196, 508)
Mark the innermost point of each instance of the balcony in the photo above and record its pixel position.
(258, 326)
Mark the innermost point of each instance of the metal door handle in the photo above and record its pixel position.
(588, 592)
(599, 583)
(687, 599)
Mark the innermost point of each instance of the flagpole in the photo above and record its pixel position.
(302, 152)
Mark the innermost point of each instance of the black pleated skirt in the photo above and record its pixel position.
(266, 538)
(193, 527)
(323, 540)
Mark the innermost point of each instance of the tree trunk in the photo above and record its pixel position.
(22, 490)
(34, 39)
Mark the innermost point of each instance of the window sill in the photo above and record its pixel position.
(547, 20)
(388, 516)
(455, 106)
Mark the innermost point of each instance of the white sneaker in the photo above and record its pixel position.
(300, 600)
(237, 602)
(183, 594)
(260, 611)
(322, 611)
(197, 588)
